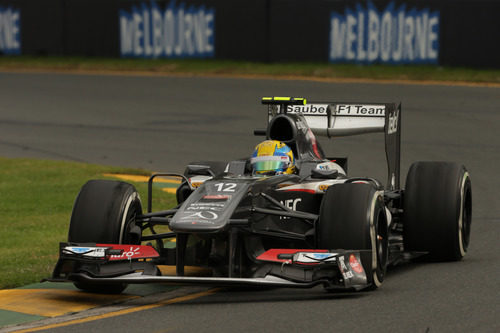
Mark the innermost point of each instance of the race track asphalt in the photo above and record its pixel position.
(162, 123)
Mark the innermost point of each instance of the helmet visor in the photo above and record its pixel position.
(269, 163)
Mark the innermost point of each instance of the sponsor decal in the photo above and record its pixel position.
(203, 215)
(78, 250)
(319, 256)
(393, 35)
(326, 166)
(205, 210)
(128, 253)
(93, 252)
(308, 109)
(314, 258)
(346, 272)
(393, 181)
(176, 31)
(359, 110)
(10, 30)
(393, 122)
(355, 264)
(323, 187)
(290, 204)
(206, 206)
(216, 197)
(101, 251)
(276, 254)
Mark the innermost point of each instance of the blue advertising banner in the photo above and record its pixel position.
(179, 31)
(10, 30)
(440, 32)
(394, 35)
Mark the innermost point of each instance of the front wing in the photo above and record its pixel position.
(139, 264)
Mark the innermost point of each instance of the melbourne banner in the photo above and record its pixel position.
(149, 31)
(395, 35)
(10, 31)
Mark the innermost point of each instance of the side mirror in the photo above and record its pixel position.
(200, 170)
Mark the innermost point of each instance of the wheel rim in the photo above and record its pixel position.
(378, 231)
(464, 220)
(381, 247)
(128, 232)
(466, 228)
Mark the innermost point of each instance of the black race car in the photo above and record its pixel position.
(316, 226)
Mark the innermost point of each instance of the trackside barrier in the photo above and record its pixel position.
(439, 32)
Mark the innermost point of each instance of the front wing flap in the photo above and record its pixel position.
(340, 268)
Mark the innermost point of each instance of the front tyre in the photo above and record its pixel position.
(105, 212)
(352, 217)
(437, 210)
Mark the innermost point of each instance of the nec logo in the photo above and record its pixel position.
(393, 122)
(290, 204)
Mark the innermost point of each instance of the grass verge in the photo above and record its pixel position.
(242, 68)
(36, 201)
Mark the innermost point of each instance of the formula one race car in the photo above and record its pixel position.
(287, 216)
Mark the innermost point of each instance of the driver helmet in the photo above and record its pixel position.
(272, 157)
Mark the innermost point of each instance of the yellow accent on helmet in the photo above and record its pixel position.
(274, 157)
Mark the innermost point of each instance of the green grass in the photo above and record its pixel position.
(285, 69)
(36, 201)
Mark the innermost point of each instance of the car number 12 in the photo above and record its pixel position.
(225, 187)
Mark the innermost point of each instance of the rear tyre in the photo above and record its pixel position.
(104, 212)
(437, 210)
(352, 217)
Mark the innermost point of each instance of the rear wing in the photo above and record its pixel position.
(333, 119)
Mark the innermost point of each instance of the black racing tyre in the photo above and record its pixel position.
(437, 210)
(353, 217)
(104, 212)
